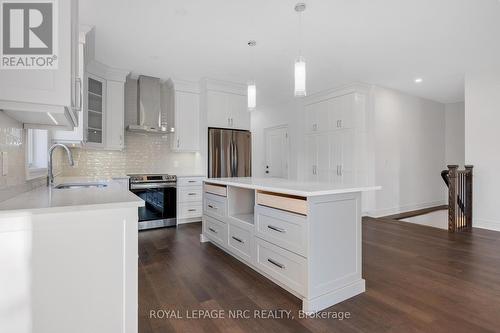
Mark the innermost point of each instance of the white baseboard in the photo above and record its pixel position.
(402, 209)
(188, 220)
(325, 301)
(486, 224)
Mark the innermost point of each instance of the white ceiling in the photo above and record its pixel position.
(384, 42)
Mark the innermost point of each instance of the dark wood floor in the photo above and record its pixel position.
(418, 279)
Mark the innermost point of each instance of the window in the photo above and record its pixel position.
(36, 153)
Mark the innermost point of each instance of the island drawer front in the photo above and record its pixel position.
(240, 241)
(214, 206)
(282, 201)
(189, 194)
(189, 210)
(284, 229)
(190, 181)
(216, 189)
(215, 230)
(282, 265)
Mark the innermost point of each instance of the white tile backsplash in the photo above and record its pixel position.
(144, 153)
(12, 141)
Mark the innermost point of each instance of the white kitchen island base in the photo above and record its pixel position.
(304, 237)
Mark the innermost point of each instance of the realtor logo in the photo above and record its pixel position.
(29, 39)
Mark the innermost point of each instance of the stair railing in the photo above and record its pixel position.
(460, 186)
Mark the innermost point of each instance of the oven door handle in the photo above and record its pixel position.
(150, 186)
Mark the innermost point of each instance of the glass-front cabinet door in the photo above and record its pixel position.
(96, 108)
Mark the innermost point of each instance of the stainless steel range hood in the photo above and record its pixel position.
(149, 107)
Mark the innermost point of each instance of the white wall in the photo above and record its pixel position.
(409, 151)
(266, 117)
(406, 148)
(455, 133)
(482, 137)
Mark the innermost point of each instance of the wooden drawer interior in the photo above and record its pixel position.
(216, 189)
(289, 203)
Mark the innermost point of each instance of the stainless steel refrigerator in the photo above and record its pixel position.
(229, 153)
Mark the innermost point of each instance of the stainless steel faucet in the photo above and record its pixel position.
(50, 178)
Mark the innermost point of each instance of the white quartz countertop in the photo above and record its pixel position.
(291, 187)
(45, 199)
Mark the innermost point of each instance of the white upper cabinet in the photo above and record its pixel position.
(101, 124)
(48, 98)
(187, 121)
(336, 113)
(226, 105)
(105, 106)
(218, 109)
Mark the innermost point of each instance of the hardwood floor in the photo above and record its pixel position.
(418, 279)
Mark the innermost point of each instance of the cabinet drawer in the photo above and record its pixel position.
(190, 181)
(239, 241)
(216, 230)
(284, 229)
(216, 189)
(214, 206)
(189, 194)
(284, 266)
(188, 210)
(286, 202)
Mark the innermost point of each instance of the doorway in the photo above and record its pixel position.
(276, 151)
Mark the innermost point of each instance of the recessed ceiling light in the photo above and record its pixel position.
(419, 80)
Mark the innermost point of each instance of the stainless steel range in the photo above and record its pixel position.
(159, 193)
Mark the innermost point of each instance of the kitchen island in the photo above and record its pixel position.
(305, 237)
(68, 258)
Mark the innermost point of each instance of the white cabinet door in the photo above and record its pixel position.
(96, 110)
(187, 122)
(49, 87)
(318, 117)
(239, 115)
(114, 115)
(342, 150)
(318, 159)
(218, 109)
(311, 118)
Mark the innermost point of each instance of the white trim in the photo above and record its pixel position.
(402, 209)
(486, 224)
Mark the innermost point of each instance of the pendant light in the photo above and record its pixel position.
(251, 88)
(300, 63)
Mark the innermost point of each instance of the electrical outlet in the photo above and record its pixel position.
(5, 164)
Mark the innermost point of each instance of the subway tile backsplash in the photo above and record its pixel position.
(143, 153)
(12, 141)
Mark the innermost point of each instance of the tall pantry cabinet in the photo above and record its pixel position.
(335, 137)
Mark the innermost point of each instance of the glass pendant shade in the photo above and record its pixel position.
(251, 96)
(300, 77)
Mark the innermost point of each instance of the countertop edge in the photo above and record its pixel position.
(295, 192)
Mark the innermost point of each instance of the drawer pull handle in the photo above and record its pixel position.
(212, 230)
(237, 239)
(276, 229)
(191, 181)
(192, 210)
(275, 263)
(211, 206)
(191, 193)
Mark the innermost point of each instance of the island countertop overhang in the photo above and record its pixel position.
(291, 187)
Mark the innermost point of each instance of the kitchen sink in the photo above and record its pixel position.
(79, 185)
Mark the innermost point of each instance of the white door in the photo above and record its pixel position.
(276, 143)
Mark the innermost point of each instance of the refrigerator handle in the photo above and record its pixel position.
(235, 160)
(230, 155)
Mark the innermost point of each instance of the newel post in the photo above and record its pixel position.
(469, 189)
(452, 197)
